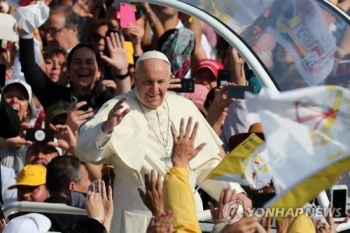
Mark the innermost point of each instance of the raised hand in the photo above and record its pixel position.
(115, 116)
(76, 117)
(183, 149)
(136, 34)
(221, 101)
(227, 195)
(82, 9)
(152, 197)
(118, 54)
(66, 139)
(107, 201)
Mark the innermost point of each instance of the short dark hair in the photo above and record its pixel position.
(48, 53)
(87, 46)
(61, 171)
(88, 225)
(71, 19)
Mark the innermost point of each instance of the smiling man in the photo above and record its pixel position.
(132, 131)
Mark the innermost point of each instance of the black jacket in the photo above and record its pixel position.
(10, 125)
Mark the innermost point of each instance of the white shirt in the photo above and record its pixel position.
(8, 178)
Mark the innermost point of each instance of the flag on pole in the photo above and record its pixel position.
(247, 164)
(307, 137)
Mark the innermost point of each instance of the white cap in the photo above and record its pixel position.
(29, 223)
(152, 55)
(21, 82)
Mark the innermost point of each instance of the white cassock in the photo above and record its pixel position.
(134, 149)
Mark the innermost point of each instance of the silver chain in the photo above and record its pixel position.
(165, 142)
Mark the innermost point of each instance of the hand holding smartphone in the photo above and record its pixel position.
(224, 77)
(339, 202)
(238, 92)
(87, 97)
(187, 86)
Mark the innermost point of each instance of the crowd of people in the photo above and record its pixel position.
(116, 132)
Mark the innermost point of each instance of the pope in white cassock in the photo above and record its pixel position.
(132, 132)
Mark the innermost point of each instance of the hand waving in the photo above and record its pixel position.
(82, 9)
(153, 196)
(115, 116)
(184, 150)
(118, 54)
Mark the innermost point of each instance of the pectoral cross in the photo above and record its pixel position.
(166, 159)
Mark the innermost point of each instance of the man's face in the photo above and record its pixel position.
(57, 35)
(32, 193)
(152, 81)
(40, 154)
(85, 182)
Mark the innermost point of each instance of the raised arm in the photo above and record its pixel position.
(41, 85)
(94, 136)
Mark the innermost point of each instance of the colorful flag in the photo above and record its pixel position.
(307, 137)
(247, 164)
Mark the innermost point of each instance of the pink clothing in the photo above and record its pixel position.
(200, 94)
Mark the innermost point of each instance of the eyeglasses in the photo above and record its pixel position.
(52, 31)
(96, 37)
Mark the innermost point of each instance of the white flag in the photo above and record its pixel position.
(307, 136)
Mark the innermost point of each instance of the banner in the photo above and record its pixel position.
(307, 138)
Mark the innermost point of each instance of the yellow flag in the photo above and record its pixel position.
(238, 165)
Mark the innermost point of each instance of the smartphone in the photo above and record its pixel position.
(237, 92)
(342, 68)
(260, 199)
(187, 86)
(87, 97)
(39, 135)
(127, 15)
(339, 202)
(224, 77)
(2, 75)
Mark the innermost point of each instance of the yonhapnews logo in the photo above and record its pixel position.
(233, 212)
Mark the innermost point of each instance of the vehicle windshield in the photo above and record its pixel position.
(300, 42)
